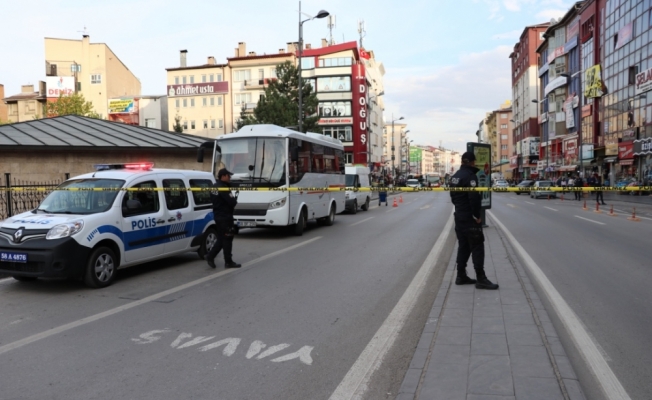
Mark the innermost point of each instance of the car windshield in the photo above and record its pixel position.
(259, 162)
(82, 196)
(412, 182)
(525, 183)
(545, 184)
(350, 180)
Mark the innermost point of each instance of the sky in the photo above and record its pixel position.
(446, 62)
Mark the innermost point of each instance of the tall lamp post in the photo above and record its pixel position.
(394, 168)
(404, 148)
(408, 167)
(547, 139)
(320, 14)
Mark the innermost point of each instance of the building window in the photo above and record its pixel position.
(203, 101)
(335, 109)
(335, 62)
(503, 116)
(150, 122)
(75, 68)
(192, 125)
(242, 75)
(503, 137)
(219, 77)
(205, 124)
(185, 103)
(176, 80)
(503, 126)
(212, 101)
(185, 125)
(96, 79)
(219, 101)
(221, 123)
(192, 102)
(211, 77)
(183, 80)
(343, 133)
(261, 74)
(349, 158)
(307, 62)
(177, 102)
(273, 73)
(632, 75)
(203, 78)
(242, 98)
(334, 84)
(212, 124)
(503, 147)
(192, 78)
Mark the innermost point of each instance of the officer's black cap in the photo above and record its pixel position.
(223, 172)
(468, 156)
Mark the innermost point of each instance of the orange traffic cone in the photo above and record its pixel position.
(634, 217)
(611, 212)
(395, 203)
(584, 208)
(597, 208)
(400, 198)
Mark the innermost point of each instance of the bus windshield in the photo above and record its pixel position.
(259, 162)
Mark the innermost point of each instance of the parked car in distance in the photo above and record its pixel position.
(501, 184)
(413, 183)
(542, 188)
(524, 185)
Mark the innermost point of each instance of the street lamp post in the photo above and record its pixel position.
(320, 14)
(394, 168)
(402, 148)
(408, 166)
(538, 102)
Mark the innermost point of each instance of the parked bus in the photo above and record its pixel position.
(432, 180)
(269, 156)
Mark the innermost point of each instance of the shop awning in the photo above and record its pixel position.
(626, 162)
(568, 168)
(610, 160)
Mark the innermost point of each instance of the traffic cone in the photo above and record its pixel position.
(634, 217)
(597, 208)
(400, 198)
(611, 212)
(584, 208)
(395, 203)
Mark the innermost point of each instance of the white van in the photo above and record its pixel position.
(119, 216)
(357, 177)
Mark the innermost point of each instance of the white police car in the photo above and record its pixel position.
(119, 216)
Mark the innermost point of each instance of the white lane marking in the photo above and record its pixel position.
(356, 380)
(425, 207)
(590, 220)
(511, 205)
(550, 208)
(530, 203)
(96, 317)
(392, 209)
(5, 281)
(605, 377)
(364, 220)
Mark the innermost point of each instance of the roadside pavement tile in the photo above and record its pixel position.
(549, 329)
(537, 388)
(426, 340)
(445, 382)
(573, 389)
(457, 317)
(490, 375)
(543, 316)
(419, 358)
(518, 318)
(488, 325)
(468, 305)
(565, 368)
(482, 309)
(512, 296)
(532, 361)
(454, 335)
(405, 396)
(488, 397)
(538, 305)
(489, 344)
(487, 296)
(517, 308)
(508, 281)
(450, 354)
(411, 381)
(523, 335)
(431, 325)
(556, 346)
(530, 288)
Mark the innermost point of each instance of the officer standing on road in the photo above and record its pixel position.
(223, 204)
(468, 225)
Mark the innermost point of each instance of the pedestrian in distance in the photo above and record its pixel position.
(578, 184)
(598, 194)
(468, 225)
(224, 202)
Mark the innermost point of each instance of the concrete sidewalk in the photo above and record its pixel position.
(482, 344)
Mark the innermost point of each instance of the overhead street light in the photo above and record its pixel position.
(320, 14)
(393, 167)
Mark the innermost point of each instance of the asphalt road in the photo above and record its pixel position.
(287, 326)
(600, 264)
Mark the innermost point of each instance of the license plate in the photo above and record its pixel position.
(7, 256)
(246, 224)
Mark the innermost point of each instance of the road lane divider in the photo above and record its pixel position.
(354, 384)
(364, 220)
(550, 208)
(590, 220)
(83, 321)
(604, 376)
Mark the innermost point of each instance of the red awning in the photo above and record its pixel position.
(626, 162)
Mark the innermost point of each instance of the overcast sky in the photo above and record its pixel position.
(446, 61)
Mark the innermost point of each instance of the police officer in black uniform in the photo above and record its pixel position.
(468, 225)
(223, 204)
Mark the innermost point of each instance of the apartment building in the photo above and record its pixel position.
(3, 105)
(198, 98)
(500, 136)
(91, 69)
(395, 142)
(26, 105)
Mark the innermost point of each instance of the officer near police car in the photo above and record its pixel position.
(468, 224)
(224, 202)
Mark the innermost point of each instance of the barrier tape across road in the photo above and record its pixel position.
(342, 189)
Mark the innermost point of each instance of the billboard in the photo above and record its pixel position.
(122, 106)
(593, 79)
(643, 81)
(59, 85)
(194, 89)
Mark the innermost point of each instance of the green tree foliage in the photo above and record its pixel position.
(75, 104)
(178, 128)
(280, 104)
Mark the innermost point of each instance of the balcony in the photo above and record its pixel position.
(257, 83)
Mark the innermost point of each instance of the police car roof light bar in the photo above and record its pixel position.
(145, 166)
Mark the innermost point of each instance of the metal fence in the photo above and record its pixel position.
(17, 196)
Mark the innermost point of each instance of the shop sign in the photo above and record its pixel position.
(611, 147)
(555, 83)
(59, 85)
(587, 151)
(121, 106)
(558, 52)
(576, 100)
(359, 87)
(587, 110)
(629, 135)
(625, 151)
(543, 118)
(624, 35)
(541, 165)
(593, 79)
(570, 116)
(643, 81)
(643, 147)
(335, 121)
(194, 89)
(513, 161)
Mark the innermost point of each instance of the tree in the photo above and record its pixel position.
(4, 122)
(75, 104)
(178, 128)
(280, 104)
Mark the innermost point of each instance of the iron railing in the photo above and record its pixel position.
(17, 196)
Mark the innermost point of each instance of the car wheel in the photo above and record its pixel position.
(331, 216)
(300, 225)
(101, 268)
(207, 242)
(355, 207)
(25, 278)
(365, 206)
(518, 194)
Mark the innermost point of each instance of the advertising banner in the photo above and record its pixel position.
(593, 79)
(624, 35)
(570, 116)
(643, 81)
(59, 85)
(611, 147)
(482, 153)
(122, 106)
(625, 151)
(194, 89)
(643, 147)
(587, 151)
(359, 94)
(336, 121)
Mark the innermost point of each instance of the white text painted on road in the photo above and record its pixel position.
(185, 340)
(590, 220)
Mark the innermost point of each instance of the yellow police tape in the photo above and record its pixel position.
(342, 189)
